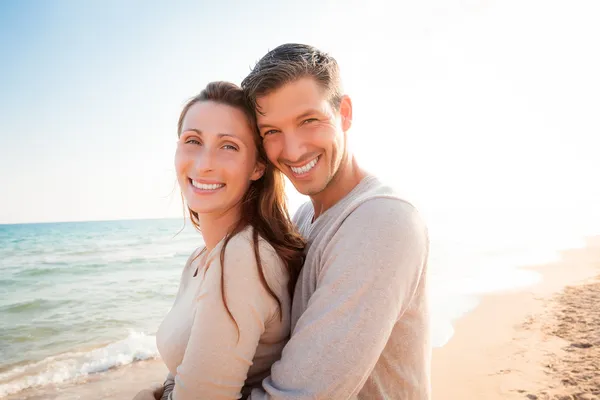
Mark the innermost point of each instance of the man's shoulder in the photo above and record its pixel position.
(385, 212)
(380, 200)
(384, 205)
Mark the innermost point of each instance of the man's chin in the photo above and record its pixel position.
(308, 189)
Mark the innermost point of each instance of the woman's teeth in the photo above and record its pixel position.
(304, 169)
(205, 186)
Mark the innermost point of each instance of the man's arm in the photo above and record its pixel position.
(370, 272)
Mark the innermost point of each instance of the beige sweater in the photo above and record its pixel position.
(198, 341)
(360, 326)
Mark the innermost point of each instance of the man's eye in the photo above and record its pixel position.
(308, 121)
(272, 131)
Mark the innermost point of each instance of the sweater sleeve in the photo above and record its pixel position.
(220, 351)
(168, 385)
(369, 273)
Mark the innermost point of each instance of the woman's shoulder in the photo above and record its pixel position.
(233, 272)
(241, 250)
(243, 243)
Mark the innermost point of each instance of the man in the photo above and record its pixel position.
(360, 327)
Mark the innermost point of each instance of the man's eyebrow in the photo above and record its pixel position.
(263, 126)
(311, 111)
(308, 112)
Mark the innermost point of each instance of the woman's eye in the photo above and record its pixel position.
(230, 147)
(192, 141)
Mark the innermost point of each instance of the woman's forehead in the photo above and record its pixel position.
(217, 119)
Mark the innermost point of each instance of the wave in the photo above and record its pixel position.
(72, 366)
(56, 266)
(64, 269)
(30, 305)
(131, 257)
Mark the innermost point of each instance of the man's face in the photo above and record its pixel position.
(303, 135)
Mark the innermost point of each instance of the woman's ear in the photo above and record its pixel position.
(259, 170)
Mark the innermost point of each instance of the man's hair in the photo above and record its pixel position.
(288, 63)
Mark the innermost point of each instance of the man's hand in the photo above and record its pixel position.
(155, 393)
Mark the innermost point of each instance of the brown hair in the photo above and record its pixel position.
(290, 62)
(263, 206)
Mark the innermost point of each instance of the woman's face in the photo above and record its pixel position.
(216, 158)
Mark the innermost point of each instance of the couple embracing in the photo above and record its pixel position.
(330, 304)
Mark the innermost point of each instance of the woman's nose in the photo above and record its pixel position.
(204, 160)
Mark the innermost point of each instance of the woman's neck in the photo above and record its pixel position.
(214, 227)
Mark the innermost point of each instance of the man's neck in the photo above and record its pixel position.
(347, 178)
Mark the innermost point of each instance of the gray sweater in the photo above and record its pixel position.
(360, 323)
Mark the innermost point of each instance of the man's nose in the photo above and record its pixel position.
(294, 147)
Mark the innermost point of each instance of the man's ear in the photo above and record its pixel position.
(346, 112)
(259, 170)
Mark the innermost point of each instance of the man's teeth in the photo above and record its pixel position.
(204, 186)
(306, 168)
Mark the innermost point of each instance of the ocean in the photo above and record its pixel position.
(81, 298)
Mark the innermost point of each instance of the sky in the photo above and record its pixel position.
(483, 112)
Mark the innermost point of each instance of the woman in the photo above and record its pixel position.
(231, 316)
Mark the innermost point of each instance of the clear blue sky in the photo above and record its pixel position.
(487, 105)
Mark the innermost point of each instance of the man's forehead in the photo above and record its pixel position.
(273, 109)
(304, 90)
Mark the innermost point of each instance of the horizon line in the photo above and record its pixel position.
(92, 220)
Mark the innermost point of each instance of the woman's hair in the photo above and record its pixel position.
(263, 205)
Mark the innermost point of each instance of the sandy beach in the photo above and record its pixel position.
(539, 343)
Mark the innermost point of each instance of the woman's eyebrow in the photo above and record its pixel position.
(220, 135)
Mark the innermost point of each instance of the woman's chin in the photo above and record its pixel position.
(207, 208)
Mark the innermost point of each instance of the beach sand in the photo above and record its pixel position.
(539, 343)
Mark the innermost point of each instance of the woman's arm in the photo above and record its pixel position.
(220, 351)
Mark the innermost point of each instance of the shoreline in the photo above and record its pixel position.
(519, 344)
(516, 344)
(116, 383)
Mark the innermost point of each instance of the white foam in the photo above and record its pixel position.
(70, 366)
